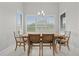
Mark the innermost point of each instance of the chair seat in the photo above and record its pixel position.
(63, 41)
(20, 41)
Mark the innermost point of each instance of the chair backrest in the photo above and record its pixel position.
(34, 38)
(16, 35)
(47, 38)
(67, 34)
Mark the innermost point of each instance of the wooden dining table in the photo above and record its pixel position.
(57, 36)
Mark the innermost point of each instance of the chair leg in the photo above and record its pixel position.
(39, 49)
(24, 46)
(28, 50)
(42, 49)
(53, 50)
(20, 45)
(50, 45)
(68, 46)
(16, 46)
(59, 47)
(56, 48)
(31, 47)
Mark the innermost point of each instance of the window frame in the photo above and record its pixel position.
(37, 16)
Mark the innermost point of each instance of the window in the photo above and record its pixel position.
(40, 23)
(62, 22)
(31, 23)
(19, 21)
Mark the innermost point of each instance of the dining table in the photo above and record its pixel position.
(57, 36)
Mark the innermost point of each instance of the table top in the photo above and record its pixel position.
(58, 35)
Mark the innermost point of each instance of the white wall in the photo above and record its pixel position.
(51, 9)
(8, 18)
(72, 20)
(8, 23)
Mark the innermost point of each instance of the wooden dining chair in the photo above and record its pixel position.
(19, 40)
(33, 39)
(64, 40)
(48, 38)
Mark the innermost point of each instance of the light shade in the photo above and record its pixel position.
(41, 13)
